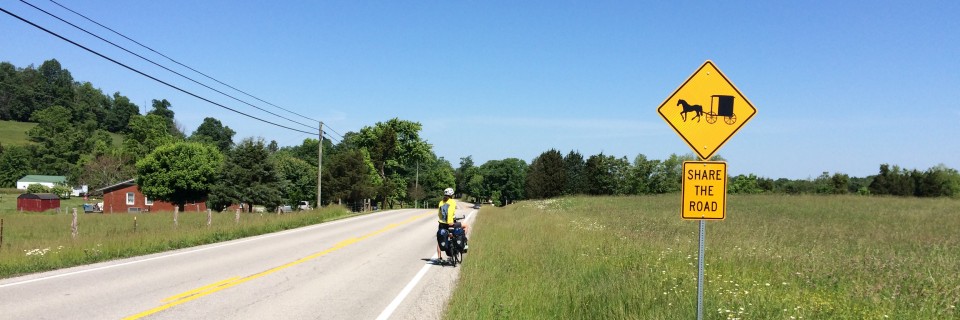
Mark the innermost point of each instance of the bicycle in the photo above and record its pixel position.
(453, 242)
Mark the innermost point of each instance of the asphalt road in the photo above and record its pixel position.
(376, 266)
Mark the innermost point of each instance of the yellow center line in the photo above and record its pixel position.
(200, 289)
(197, 293)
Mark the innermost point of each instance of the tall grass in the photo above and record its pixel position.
(34, 242)
(775, 256)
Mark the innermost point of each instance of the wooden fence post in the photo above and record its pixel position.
(134, 223)
(209, 217)
(176, 214)
(73, 226)
(236, 217)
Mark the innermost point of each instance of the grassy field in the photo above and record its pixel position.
(774, 257)
(13, 133)
(33, 242)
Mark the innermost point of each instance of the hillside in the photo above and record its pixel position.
(14, 133)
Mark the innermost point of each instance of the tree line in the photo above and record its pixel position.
(387, 162)
(553, 174)
(937, 181)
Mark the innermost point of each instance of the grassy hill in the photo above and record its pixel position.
(13, 133)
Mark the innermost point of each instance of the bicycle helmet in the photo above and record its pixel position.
(448, 192)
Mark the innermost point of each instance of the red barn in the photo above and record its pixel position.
(37, 202)
(126, 197)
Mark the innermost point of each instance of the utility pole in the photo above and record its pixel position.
(320, 166)
(416, 186)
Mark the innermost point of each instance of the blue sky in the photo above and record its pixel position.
(839, 86)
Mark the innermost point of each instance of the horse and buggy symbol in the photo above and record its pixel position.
(724, 109)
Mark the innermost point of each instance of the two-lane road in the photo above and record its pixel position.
(364, 267)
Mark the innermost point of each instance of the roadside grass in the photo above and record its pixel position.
(35, 242)
(775, 256)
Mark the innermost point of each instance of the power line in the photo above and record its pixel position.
(147, 75)
(328, 136)
(183, 65)
(335, 131)
(165, 68)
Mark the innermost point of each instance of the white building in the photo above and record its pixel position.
(47, 181)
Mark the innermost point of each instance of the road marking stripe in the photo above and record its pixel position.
(162, 255)
(406, 291)
(228, 283)
(387, 312)
(195, 291)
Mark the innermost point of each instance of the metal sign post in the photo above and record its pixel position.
(703, 239)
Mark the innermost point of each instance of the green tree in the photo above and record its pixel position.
(744, 184)
(146, 133)
(56, 88)
(61, 191)
(350, 177)
(298, 179)
(15, 162)
(939, 181)
(307, 151)
(474, 184)
(161, 108)
(90, 106)
(666, 176)
(394, 147)
(121, 111)
(180, 172)
(822, 184)
(10, 90)
(213, 132)
(546, 176)
(639, 180)
(60, 142)
(437, 174)
(574, 166)
(250, 176)
(600, 180)
(25, 93)
(466, 165)
(504, 179)
(893, 181)
(839, 183)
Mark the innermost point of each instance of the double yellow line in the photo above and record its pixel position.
(203, 291)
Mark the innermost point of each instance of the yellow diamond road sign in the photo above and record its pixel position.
(706, 110)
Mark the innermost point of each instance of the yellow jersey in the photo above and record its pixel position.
(447, 210)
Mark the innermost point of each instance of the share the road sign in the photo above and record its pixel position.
(704, 190)
(706, 110)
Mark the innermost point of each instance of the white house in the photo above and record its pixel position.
(48, 181)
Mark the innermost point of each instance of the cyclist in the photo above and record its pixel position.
(448, 207)
(446, 213)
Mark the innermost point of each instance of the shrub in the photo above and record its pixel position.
(62, 191)
(37, 188)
